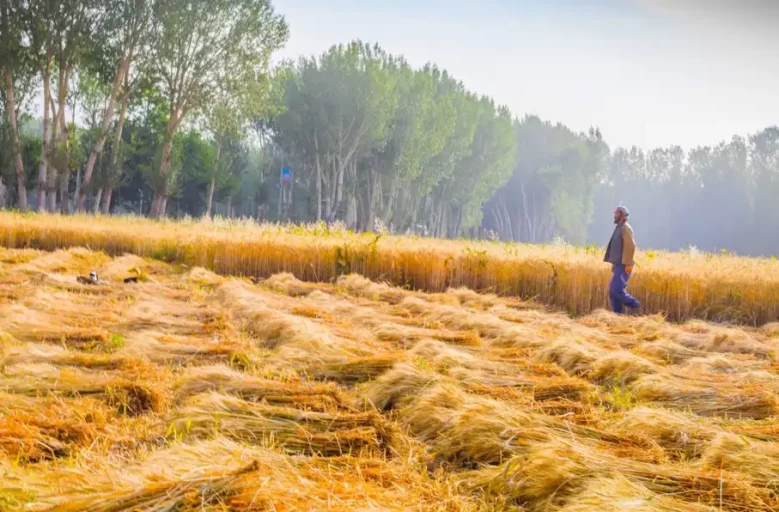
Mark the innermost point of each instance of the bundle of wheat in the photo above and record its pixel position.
(667, 351)
(487, 326)
(463, 428)
(35, 429)
(355, 370)
(618, 494)
(466, 367)
(295, 430)
(128, 397)
(361, 287)
(559, 388)
(572, 355)
(736, 454)
(549, 476)
(397, 386)
(620, 367)
(710, 396)
(763, 430)
(407, 336)
(203, 277)
(288, 284)
(731, 364)
(682, 435)
(467, 429)
(543, 478)
(320, 397)
(126, 265)
(293, 337)
(771, 329)
(726, 341)
(58, 356)
(186, 478)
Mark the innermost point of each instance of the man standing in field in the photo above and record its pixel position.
(620, 253)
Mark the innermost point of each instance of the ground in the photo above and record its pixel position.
(192, 391)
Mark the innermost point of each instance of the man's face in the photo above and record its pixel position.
(618, 216)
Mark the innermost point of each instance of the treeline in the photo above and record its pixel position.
(172, 107)
(378, 142)
(711, 198)
(146, 75)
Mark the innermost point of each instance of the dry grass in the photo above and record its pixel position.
(192, 391)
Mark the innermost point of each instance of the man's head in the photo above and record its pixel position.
(621, 215)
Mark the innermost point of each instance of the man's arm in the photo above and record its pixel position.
(628, 247)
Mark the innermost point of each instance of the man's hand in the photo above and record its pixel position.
(628, 269)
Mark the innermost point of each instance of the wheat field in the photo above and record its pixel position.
(680, 286)
(191, 391)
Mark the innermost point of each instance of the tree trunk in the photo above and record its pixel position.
(230, 206)
(373, 203)
(51, 188)
(64, 195)
(16, 145)
(393, 194)
(351, 214)
(52, 191)
(116, 168)
(105, 207)
(154, 208)
(212, 184)
(43, 169)
(98, 198)
(318, 190)
(159, 203)
(339, 192)
(3, 193)
(78, 185)
(210, 199)
(64, 173)
(108, 116)
(163, 206)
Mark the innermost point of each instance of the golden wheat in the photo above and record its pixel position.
(194, 391)
(681, 286)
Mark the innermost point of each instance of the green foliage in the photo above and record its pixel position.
(621, 398)
(552, 187)
(390, 145)
(115, 342)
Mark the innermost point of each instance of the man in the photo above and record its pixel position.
(620, 253)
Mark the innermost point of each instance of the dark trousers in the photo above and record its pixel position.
(618, 294)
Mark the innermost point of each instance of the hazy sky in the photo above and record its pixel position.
(647, 72)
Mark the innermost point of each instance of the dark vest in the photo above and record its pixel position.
(614, 250)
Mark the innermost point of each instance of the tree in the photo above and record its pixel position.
(552, 187)
(61, 32)
(198, 45)
(238, 99)
(764, 164)
(488, 167)
(124, 28)
(424, 197)
(420, 127)
(338, 107)
(14, 65)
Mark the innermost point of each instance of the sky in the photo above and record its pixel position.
(649, 73)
